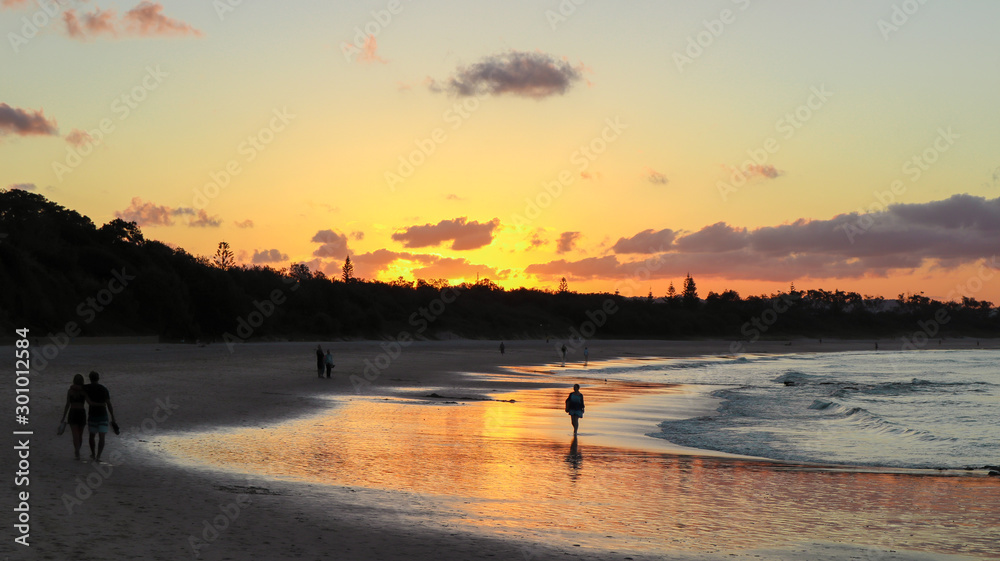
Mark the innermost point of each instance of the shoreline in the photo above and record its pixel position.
(260, 387)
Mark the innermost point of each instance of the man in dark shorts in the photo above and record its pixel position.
(99, 399)
(575, 407)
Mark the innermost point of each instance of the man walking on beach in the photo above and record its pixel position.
(574, 406)
(99, 399)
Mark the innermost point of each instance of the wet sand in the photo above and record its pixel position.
(227, 456)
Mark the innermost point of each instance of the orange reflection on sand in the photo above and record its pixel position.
(514, 468)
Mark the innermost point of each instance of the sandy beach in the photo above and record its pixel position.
(447, 450)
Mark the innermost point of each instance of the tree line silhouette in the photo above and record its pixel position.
(57, 267)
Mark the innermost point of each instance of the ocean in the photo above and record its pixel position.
(926, 409)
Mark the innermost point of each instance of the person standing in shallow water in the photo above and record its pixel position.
(574, 406)
(320, 361)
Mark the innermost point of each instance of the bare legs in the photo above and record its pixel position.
(100, 445)
(576, 423)
(77, 439)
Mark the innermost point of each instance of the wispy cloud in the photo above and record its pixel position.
(368, 51)
(22, 186)
(655, 177)
(145, 20)
(245, 224)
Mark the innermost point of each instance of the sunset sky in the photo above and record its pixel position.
(851, 145)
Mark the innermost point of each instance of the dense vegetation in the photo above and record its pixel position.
(59, 273)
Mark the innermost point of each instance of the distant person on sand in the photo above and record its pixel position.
(564, 354)
(502, 348)
(320, 361)
(76, 398)
(586, 355)
(329, 362)
(99, 399)
(574, 406)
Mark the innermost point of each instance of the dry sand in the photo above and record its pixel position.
(152, 501)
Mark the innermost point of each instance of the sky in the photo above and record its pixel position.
(622, 145)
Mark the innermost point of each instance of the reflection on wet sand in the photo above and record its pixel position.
(515, 469)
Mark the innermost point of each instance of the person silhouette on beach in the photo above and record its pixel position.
(76, 399)
(320, 360)
(99, 399)
(586, 355)
(574, 406)
(329, 362)
(502, 348)
(563, 349)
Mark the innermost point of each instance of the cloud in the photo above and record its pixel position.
(22, 186)
(203, 220)
(462, 234)
(145, 213)
(24, 122)
(268, 256)
(457, 268)
(566, 241)
(655, 177)
(358, 235)
(588, 268)
(646, 242)
(537, 240)
(144, 20)
(334, 244)
(78, 138)
(762, 171)
(245, 224)
(960, 230)
(368, 51)
(525, 74)
(13, 3)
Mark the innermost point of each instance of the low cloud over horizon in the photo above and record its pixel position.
(949, 233)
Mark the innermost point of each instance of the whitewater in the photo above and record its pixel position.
(926, 409)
